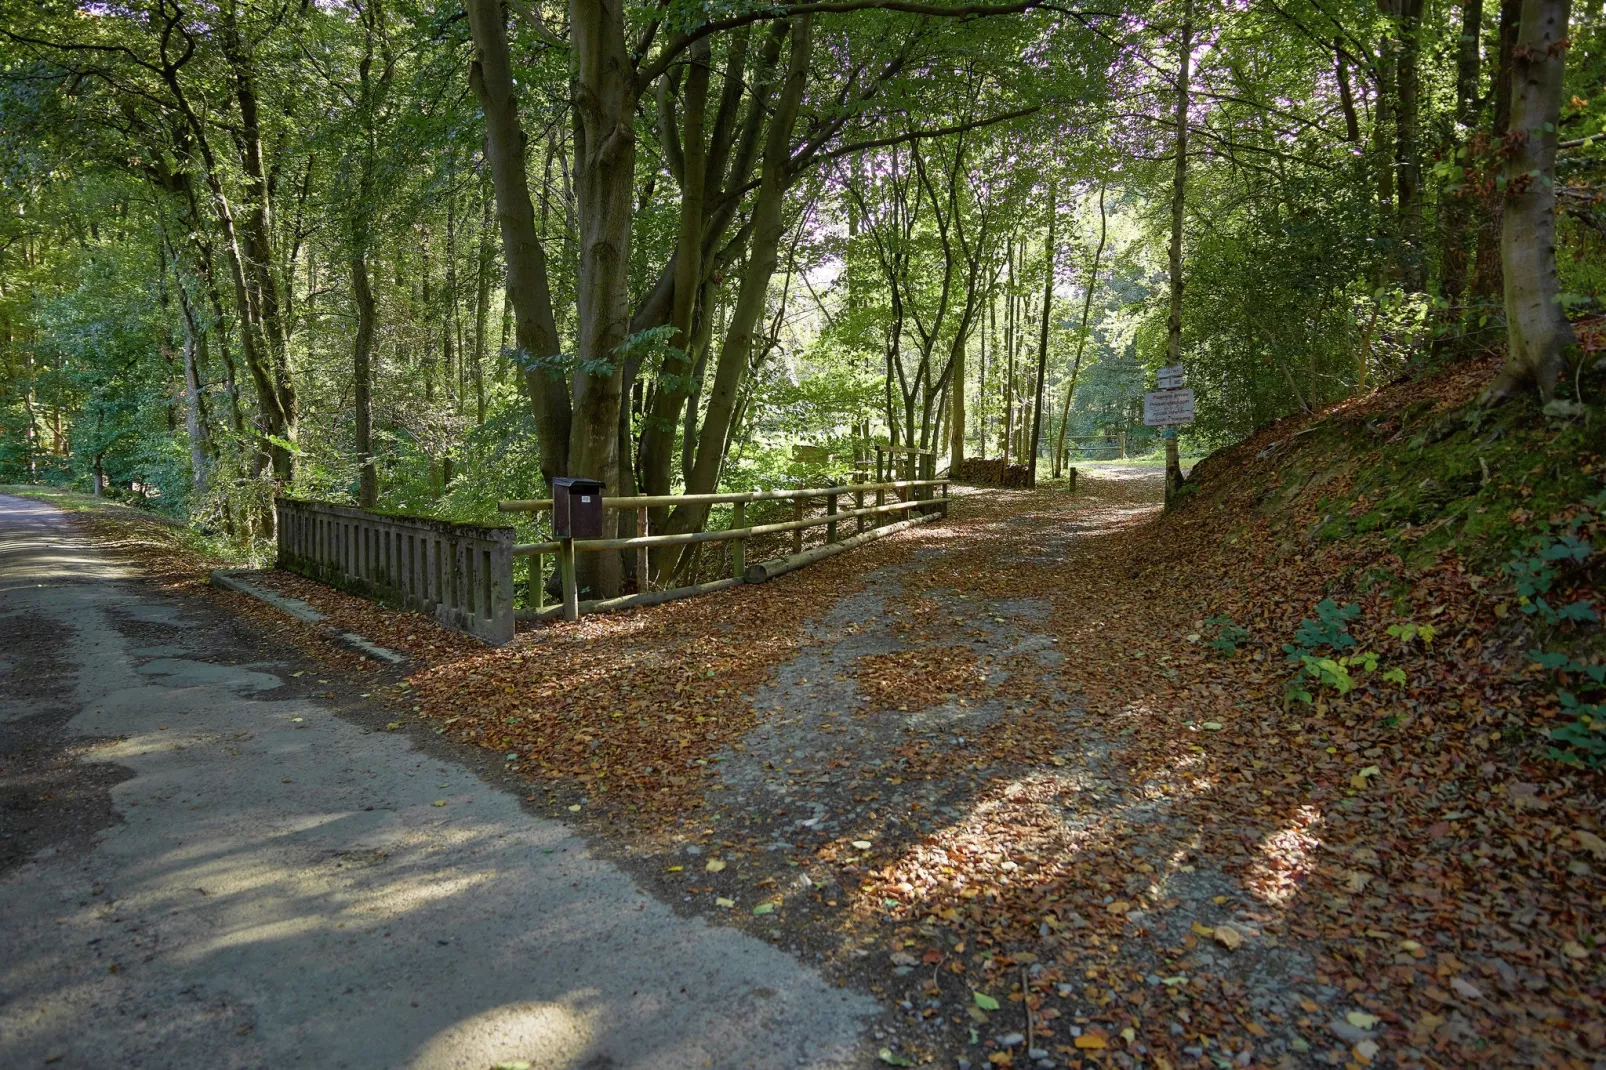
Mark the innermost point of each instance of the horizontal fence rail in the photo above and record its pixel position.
(658, 501)
(915, 496)
(459, 574)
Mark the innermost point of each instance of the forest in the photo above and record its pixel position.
(423, 256)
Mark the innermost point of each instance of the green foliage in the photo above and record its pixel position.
(1581, 693)
(1229, 636)
(1326, 654)
(1329, 629)
(1535, 573)
(1409, 632)
(1579, 685)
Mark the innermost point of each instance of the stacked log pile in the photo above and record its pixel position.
(992, 473)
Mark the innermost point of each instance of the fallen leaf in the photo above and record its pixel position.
(764, 908)
(984, 1001)
(1361, 1020)
(1591, 842)
(1466, 988)
(886, 1056)
(1092, 1041)
(714, 865)
(1229, 937)
(438, 802)
(723, 902)
(861, 845)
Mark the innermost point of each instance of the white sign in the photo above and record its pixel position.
(1169, 377)
(1168, 407)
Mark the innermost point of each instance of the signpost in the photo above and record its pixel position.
(1169, 407)
(1166, 408)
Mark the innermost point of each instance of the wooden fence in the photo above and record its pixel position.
(915, 497)
(460, 574)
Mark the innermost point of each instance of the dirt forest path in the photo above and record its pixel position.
(215, 857)
(922, 804)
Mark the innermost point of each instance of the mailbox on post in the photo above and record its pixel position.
(576, 508)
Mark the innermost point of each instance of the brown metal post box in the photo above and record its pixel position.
(576, 508)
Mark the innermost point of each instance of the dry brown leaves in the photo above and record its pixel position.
(1433, 871)
(915, 679)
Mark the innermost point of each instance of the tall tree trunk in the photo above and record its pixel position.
(1010, 306)
(989, 332)
(1408, 148)
(674, 381)
(956, 403)
(1346, 95)
(1383, 127)
(194, 406)
(1042, 337)
(259, 262)
(362, 345)
(736, 354)
(482, 300)
(1486, 281)
(1455, 212)
(529, 292)
(603, 99)
(1081, 336)
(702, 343)
(1537, 328)
(1179, 189)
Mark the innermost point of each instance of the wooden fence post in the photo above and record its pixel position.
(643, 566)
(830, 510)
(537, 586)
(858, 503)
(797, 533)
(880, 499)
(571, 590)
(738, 546)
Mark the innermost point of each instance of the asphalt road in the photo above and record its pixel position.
(235, 876)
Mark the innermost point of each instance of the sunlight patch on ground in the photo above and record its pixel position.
(550, 1036)
(1286, 859)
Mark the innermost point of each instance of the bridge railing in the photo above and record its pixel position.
(459, 574)
(919, 499)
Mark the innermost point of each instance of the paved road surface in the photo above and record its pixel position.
(274, 886)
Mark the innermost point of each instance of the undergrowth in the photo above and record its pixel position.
(1427, 480)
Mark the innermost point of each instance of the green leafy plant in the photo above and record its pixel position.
(1580, 686)
(1229, 635)
(1535, 573)
(1580, 689)
(1326, 653)
(1409, 632)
